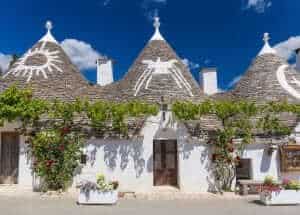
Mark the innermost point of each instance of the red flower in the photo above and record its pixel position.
(49, 163)
(65, 130)
(231, 149)
(286, 181)
(61, 147)
(238, 158)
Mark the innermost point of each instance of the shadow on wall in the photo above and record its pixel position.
(187, 146)
(265, 161)
(121, 153)
(184, 147)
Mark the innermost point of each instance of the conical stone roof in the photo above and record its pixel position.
(157, 72)
(48, 71)
(269, 78)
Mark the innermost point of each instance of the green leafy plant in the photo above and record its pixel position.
(56, 154)
(291, 184)
(239, 120)
(54, 129)
(269, 180)
(106, 186)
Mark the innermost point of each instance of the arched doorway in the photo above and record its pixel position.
(165, 165)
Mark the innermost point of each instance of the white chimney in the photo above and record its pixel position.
(209, 81)
(298, 59)
(104, 71)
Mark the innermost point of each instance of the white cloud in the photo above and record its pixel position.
(234, 81)
(4, 61)
(258, 6)
(286, 49)
(190, 64)
(82, 54)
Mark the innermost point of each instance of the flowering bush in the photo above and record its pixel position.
(291, 184)
(100, 185)
(269, 180)
(56, 154)
(270, 185)
(103, 186)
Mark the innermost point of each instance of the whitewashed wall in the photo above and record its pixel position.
(131, 161)
(128, 161)
(263, 164)
(25, 177)
(194, 159)
(194, 168)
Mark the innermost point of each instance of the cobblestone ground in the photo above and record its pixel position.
(39, 206)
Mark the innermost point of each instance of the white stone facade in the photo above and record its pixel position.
(131, 161)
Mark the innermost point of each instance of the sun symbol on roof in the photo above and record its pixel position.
(39, 61)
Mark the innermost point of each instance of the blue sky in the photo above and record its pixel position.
(224, 34)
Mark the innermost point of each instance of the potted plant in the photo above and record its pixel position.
(285, 194)
(101, 192)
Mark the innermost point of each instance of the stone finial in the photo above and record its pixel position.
(49, 26)
(48, 36)
(266, 37)
(156, 23)
(267, 49)
(157, 35)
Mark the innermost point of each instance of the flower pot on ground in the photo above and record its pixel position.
(280, 197)
(286, 194)
(101, 192)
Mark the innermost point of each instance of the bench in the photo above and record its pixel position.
(252, 185)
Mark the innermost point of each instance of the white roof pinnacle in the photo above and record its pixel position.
(157, 35)
(48, 36)
(267, 49)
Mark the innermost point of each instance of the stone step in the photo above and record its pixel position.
(15, 190)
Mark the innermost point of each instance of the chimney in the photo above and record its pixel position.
(298, 59)
(209, 81)
(104, 71)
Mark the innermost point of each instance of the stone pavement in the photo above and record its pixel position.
(36, 205)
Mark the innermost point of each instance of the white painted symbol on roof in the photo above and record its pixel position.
(25, 66)
(159, 67)
(281, 77)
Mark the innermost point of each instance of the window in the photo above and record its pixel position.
(290, 158)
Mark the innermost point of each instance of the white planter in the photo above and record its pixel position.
(283, 197)
(98, 197)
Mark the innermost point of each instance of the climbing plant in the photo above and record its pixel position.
(55, 130)
(239, 120)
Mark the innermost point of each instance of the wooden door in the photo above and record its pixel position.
(165, 163)
(9, 158)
